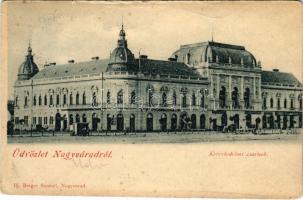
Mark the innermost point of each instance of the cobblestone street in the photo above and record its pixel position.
(171, 137)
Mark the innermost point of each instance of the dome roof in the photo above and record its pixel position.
(121, 58)
(215, 52)
(121, 55)
(28, 68)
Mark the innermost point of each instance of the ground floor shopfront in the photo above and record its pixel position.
(163, 120)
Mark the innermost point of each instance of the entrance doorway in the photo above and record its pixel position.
(132, 123)
(57, 122)
(120, 122)
(149, 122)
(174, 122)
(163, 122)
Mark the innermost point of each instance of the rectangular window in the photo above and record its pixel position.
(16, 120)
(34, 120)
(51, 120)
(45, 120)
(40, 120)
(26, 120)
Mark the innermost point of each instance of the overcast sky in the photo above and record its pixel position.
(60, 31)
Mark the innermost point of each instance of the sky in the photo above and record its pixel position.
(61, 31)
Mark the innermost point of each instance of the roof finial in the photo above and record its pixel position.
(29, 49)
(122, 22)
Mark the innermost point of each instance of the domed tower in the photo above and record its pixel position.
(28, 68)
(121, 58)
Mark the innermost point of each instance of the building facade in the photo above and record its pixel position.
(202, 86)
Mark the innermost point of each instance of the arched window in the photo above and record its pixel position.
(77, 118)
(222, 97)
(25, 101)
(71, 119)
(271, 102)
(83, 98)
(184, 103)
(291, 103)
(120, 97)
(174, 98)
(64, 99)
(188, 58)
(278, 103)
(45, 100)
(71, 99)
(264, 103)
(16, 101)
(84, 118)
(164, 100)
(40, 100)
(193, 99)
(150, 98)
(234, 97)
(94, 100)
(35, 101)
(108, 97)
(58, 99)
(202, 102)
(285, 103)
(301, 103)
(133, 97)
(77, 99)
(51, 100)
(247, 98)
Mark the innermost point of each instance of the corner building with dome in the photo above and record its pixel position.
(202, 86)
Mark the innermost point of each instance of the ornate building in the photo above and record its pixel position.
(202, 86)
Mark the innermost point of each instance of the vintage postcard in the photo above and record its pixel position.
(169, 99)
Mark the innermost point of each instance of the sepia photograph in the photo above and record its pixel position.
(129, 74)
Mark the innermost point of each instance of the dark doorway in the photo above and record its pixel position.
(183, 121)
(248, 120)
(120, 122)
(291, 122)
(132, 123)
(202, 121)
(224, 120)
(284, 122)
(149, 122)
(300, 120)
(279, 121)
(64, 123)
(109, 122)
(163, 122)
(77, 118)
(258, 120)
(236, 121)
(193, 121)
(95, 121)
(214, 121)
(174, 122)
(57, 122)
(271, 122)
(264, 121)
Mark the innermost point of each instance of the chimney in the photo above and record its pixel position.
(71, 61)
(95, 58)
(275, 70)
(143, 56)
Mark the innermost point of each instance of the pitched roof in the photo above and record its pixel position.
(71, 69)
(275, 77)
(149, 66)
